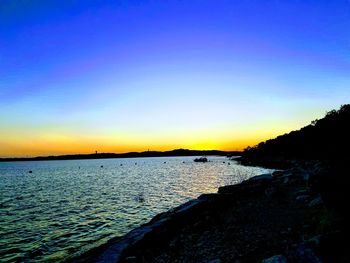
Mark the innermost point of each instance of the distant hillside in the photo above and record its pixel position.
(324, 139)
(177, 152)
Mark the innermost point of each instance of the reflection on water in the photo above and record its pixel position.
(64, 207)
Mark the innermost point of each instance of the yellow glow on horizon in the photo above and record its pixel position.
(29, 143)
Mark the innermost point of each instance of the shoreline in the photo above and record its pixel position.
(172, 153)
(286, 212)
(114, 249)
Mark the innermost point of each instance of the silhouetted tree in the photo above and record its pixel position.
(323, 139)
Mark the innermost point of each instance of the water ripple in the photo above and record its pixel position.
(59, 209)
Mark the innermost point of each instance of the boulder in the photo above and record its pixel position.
(314, 181)
(302, 199)
(314, 242)
(275, 259)
(316, 201)
(130, 259)
(276, 191)
(279, 173)
(252, 187)
(290, 177)
(259, 178)
(304, 254)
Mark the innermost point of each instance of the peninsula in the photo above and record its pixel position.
(177, 152)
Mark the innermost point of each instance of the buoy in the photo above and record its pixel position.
(141, 198)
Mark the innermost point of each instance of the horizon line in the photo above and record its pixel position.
(96, 153)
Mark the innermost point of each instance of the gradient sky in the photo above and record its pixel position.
(116, 76)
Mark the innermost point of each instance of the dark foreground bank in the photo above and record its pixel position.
(279, 217)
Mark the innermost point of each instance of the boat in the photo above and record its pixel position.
(201, 160)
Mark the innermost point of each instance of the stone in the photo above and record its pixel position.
(316, 201)
(305, 254)
(271, 192)
(281, 173)
(303, 192)
(278, 173)
(262, 177)
(302, 198)
(131, 259)
(275, 259)
(315, 178)
(251, 187)
(314, 241)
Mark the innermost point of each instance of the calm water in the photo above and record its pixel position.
(66, 207)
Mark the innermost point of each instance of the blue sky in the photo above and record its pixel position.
(133, 75)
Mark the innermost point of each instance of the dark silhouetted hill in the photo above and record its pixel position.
(322, 150)
(326, 139)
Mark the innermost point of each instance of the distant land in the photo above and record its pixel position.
(177, 152)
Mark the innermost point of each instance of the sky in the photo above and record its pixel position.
(116, 76)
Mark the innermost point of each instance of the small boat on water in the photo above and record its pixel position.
(201, 160)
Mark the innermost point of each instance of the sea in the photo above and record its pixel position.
(64, 208)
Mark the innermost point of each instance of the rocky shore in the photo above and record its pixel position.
(278, 217)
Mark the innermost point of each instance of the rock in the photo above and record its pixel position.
(303, 192)
(316, 201)
(305, 254)
(305, 175)
(262, 177)
(254, 186)
(302, 199)
(214, 261)
(230, 189)
(281, 173)
(278, 173)
(271, 192)
(315, 178)
(275, 259)
(131, 259)
(298, 175)
(288, 177)
(214, 197)
(314, 242)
